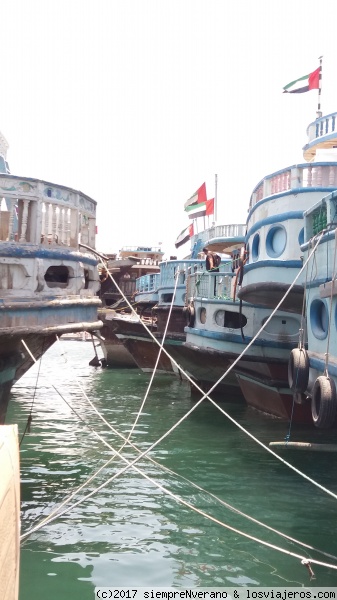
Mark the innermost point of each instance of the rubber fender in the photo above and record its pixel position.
(191, 315)
(298, 370)
(324, 402)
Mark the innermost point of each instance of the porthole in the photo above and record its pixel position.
(230, 319)
(256, 246)
(276, 241)
(57, 276)
(202, 315)
(319, 319)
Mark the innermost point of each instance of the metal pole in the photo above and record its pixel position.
(319, 112)
(216, 199)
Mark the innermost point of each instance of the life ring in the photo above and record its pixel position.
(298, 370)
(189, 315)
(324, 402)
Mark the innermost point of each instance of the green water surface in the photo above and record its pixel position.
(131, 533)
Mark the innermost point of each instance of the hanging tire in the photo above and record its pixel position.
(298, 370)
(324, 402)
(189, 313)
(191, 316)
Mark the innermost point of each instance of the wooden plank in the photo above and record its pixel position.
(304, 446)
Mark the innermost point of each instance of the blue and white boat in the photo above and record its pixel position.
(221, 326)
(48, 285)
(166, 298)
(275, 233)
(264, 270)
(313, 371)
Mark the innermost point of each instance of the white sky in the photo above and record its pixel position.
(138, 102)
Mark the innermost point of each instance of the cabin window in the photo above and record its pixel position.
(57, 276)
(319, 319)
(230, 319)
(166, 298)
(256, 247)
(276, 241)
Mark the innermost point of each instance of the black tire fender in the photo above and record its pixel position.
(324, 402)
(191, 316)
(298, 370)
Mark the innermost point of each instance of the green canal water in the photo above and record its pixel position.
(130, 533)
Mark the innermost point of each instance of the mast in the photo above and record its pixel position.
(319, 112)
(215, 199)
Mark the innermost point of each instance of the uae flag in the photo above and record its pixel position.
(198, 197)
(184, 236)
(304, 84)
(196, 210)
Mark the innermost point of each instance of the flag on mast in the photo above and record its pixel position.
(196, 210)
(198, 197)
(184, 236)
(305, 83)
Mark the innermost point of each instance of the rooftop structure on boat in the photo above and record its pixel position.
(131, 263)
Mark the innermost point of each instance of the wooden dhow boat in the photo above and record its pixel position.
(48, 286)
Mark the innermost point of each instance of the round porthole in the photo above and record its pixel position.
(276, 241)
(202, 315)
(319, 319)
(256, 246)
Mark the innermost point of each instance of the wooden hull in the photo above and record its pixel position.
(145, 352)
(261, 384)
(115, 353)
(275, 401)
(206, 367)
(177, 322)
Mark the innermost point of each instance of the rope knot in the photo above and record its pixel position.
(307, 564)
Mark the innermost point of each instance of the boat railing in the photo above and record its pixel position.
(169, 270)
(148, 283)
(232, 230)
(210, 286)
(37, 212)
(308, 175)
(322, 127)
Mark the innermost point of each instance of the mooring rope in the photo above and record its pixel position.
(206, 395)
(57, 513)
(304, 560)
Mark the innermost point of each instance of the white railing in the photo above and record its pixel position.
(322, 127)
(308, 175)
(232, 230)
(38, 212)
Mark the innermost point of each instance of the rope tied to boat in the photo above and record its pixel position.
(129, 464)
